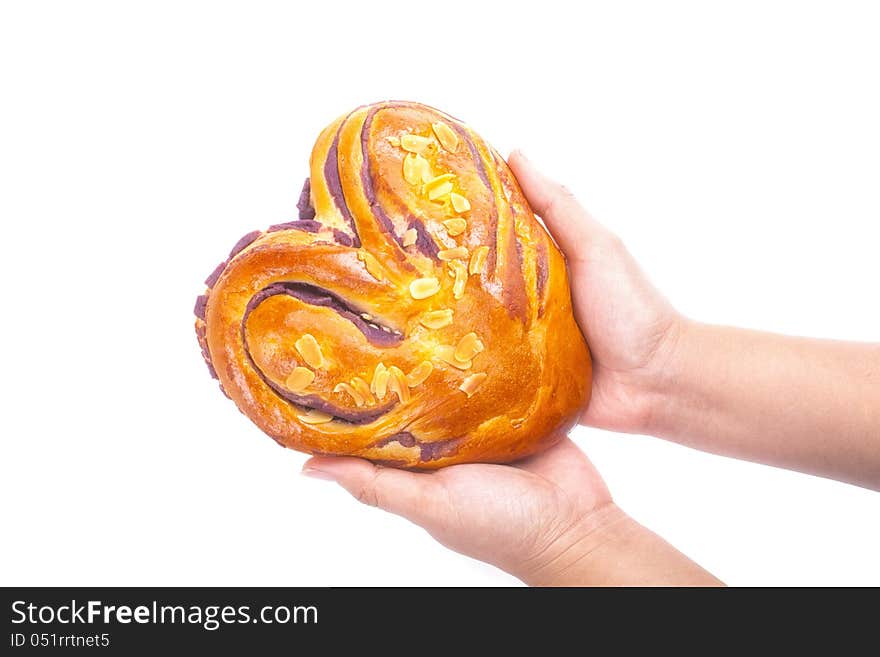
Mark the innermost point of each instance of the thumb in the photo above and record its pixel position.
(565, 218)
(411, 495)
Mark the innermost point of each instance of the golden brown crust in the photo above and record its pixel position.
(334, 334)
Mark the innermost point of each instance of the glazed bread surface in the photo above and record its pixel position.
(415, 314)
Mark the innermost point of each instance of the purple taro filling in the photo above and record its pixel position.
(427, 451)
(243, 243)
(306, 221)
(405, 438)
(304, 205)
(481, 172)
(331, 175)
(211, 369)
(436, 450)
(341, 237)
(317, 296)
(201, 304)
(424, 243)
(307, 225)
(215, 274)
(541, 274)
(478, 161)
(352, 416)
(367, 179)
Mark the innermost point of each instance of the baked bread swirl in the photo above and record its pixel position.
(415, 314)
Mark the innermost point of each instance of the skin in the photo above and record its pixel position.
(803, 404)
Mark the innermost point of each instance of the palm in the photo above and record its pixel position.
(503, 513)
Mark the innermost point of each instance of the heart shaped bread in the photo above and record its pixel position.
(415, 314)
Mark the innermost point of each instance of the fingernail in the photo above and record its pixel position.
(317, 474)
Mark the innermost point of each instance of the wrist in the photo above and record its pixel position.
(568, 555)
(676, 389)
(608, 548)
(657, 386)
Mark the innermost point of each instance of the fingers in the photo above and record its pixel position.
(408, 494)
(569, 223)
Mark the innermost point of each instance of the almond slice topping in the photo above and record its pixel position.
(455, 226)
(437, 181)
(461, 275)
(446, 353)
(424, 169)
(471, 383)
(382, 384)
(458, 253)
(313, 416)
(397, 384)
(379, 385)
(409, 237)
(459, 203)
(394, 140)
(354, 394)
(446, 136)
(363, 388)
(415, 143)
(372, 265)
(419, 374)
(435, 319)
(310, 350)
(478, 260)
(300, 379)
(468, 347)
(412, 173)
(439, 192)
(422, 288)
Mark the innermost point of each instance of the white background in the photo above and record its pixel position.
(735, 146)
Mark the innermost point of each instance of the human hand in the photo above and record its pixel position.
(548, 520)
(515, 517)
(630, 327)
(798, 403)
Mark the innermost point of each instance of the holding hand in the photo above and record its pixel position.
(630, 327)
(548, 519)
(809, 405)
